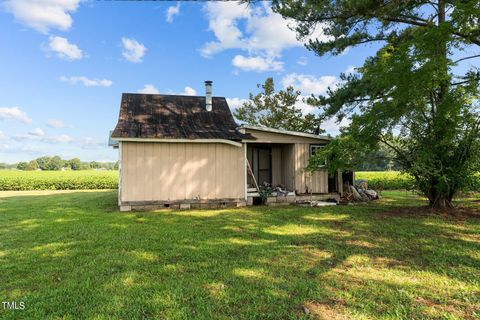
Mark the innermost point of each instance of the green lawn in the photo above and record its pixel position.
(72, 255)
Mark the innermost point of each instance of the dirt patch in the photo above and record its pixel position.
(435, 309)
(386, 262)
(362, 243)
(459, 213)
(324, 311)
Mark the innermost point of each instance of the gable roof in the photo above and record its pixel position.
(159, 116)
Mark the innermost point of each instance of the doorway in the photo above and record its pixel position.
(262, 164)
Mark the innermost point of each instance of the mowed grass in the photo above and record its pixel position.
(72, 255)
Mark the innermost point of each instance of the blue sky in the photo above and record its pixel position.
(67, 63)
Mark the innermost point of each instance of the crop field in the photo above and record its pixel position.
(395, 180)
(105, 179)
(58, 180)
(387, 180)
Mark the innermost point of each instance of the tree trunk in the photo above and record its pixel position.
(440, 201)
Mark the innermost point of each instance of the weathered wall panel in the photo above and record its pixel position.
(181, 171)
(318, 182)
(288, 166)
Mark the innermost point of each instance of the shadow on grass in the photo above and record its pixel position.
(73, 255)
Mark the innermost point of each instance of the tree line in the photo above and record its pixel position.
(56, 163)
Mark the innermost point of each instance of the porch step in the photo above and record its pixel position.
(251, 189)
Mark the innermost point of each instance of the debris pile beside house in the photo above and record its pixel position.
(358, 192)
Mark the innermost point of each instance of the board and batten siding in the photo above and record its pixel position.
(155, 171)
(318, 183)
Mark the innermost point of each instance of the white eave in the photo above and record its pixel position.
(230, 142)
(292, 133)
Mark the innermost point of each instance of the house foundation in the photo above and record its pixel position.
(182, 204)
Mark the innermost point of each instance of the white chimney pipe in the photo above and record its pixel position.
(208, 95)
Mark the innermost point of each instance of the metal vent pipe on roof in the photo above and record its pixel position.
(208, 95)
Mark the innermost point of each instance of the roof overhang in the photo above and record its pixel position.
(230, 142)
(112, 142)
(287, 132)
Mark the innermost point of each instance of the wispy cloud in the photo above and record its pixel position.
(14, 114)
(64, 49)
(133, 51)
(87, 82)
(171, 12)
(63, 138)
(43, 15)
(37, 132)
(91, 143)
(54, 123)
(302, 61)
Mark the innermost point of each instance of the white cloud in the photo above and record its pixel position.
(43, 15)
(37, 132)
(87, 82)
(4, 147)
(133, 51)
(172, 11)
(265, 33)
(54, 123)
(14, 114)
(149, 89)
(257, 63)
(308, 84)
(223, 17)
(91, 143)
(302, 61)
(350, 70)
(64, 49)
(31, 149)
(235, 103)
(2, 135)
(332, 127)
(189, 91)
(63, 138)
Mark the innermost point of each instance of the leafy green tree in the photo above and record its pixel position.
(56, 163)
(115, 167)
(22, 165)
(75, 164)
(94, 165)
(42, 162)
(85, 166)
(32, 165)
(276, 110)
(418, 95)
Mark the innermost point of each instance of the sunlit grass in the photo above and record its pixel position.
(73, 255)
